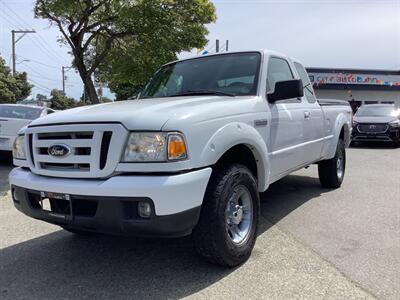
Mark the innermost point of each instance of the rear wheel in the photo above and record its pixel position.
(331, 171)
(227, 229)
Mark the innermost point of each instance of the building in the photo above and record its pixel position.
(357, 86)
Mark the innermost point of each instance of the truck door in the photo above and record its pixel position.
(313, 119)
(287, 118)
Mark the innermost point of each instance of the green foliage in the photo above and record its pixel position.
(40, 97)
(124, 42)
(166, 28)
(12, 88)
(60, 102)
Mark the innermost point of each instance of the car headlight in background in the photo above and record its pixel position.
(19, 148)
(154, 147)
(395, 123)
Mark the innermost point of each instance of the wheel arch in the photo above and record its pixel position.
(239, 143)
(342, 130)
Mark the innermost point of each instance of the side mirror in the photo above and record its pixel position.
(286, 90)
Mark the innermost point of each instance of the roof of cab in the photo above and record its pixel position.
(265, 52)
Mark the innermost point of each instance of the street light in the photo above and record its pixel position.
(22, 61)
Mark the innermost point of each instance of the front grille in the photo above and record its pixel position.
(372, 128)
(65, 135)
(87, 149)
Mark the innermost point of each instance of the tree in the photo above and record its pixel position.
(12, 88)
(60, 102)
(93, 28)
(40, 97)
(179, 27)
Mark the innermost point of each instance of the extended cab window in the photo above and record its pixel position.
(278, 70)
(234, 74)
(308, 90)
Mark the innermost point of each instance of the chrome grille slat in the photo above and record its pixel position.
(71, 143)
(85, 142)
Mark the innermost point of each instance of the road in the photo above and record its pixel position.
(5, 168)
(313, 243)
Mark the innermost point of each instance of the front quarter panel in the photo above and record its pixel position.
(233, 134)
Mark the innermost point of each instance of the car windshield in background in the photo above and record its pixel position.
(375, 111)
(229, 74)
(19, 112)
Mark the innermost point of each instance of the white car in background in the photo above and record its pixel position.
(13, 117)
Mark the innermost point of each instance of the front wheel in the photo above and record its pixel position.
(227, 229)
(331, 171)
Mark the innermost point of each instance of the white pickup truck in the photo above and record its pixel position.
(190, 155)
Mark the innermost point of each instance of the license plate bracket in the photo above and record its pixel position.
(56, 205)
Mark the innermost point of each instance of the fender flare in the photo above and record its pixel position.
(341, 122)
(238, 133)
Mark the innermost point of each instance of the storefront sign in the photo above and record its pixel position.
(353, 78)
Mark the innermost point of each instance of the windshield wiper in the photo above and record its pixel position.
(203, 92)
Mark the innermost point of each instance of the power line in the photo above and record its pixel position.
(38, 85)
(38, 74)
(10, 20)
(38, 62)
(17, 17)
(34, 61)
(41, 43)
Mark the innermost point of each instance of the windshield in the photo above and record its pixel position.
(19, 112)
(375, 111)
(231, 74)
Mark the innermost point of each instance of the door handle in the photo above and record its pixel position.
(307, 115)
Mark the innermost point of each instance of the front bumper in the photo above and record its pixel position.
(110, 205)
(392, 134)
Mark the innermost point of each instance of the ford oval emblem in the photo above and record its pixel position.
(59, 150)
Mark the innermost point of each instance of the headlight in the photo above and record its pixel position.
(19, 147)
(154, 147)
(395, 123)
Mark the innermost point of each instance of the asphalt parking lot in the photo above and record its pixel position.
(313, 243)
(5, 167)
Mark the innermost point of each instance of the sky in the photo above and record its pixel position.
(325, 33)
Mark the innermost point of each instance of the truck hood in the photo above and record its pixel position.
(372, 119)
(144, 114)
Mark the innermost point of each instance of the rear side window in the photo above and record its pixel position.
(278, 70)
(308, 90)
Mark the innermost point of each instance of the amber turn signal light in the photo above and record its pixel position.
(176, 147)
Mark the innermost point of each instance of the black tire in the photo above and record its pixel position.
(328, 170)
(211, 235)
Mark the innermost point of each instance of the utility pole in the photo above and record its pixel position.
(217, 46)
(63, 77)
(14, 57)
(227, 45)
